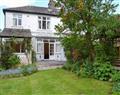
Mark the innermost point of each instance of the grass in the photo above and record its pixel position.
(53, 82)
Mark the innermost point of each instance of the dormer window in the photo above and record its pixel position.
(43, 22)
(17, 19)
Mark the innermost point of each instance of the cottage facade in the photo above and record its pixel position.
(40, 22)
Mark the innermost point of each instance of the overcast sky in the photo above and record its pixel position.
(16, 3)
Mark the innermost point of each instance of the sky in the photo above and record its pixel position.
(41, 3)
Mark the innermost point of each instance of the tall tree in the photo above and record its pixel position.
(89, 22)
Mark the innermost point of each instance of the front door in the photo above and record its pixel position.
(46, 50)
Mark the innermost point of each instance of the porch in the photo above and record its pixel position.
(17, 40)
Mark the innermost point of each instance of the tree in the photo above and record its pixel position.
(91, 23)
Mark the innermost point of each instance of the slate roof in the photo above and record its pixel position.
(20, 33)
(33, 10)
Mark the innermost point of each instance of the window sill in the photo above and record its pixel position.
(18, 53)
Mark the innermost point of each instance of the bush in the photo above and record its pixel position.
(87, 69)
(13, 60)
(103, 71)
(68, 66)
(21, 71)
(116, 88)
(76, 68)
(4, 60)
(9, 60)
(116, 76)
(28, 69)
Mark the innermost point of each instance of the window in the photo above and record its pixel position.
(43, 22)
(18, 47)
(17, 19)
(58, 47)
(39, 47)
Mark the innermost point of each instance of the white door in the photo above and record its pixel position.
(58, 51)
(40, 51)
(51, 51)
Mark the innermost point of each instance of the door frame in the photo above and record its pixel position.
(47, 50)
(52, 57)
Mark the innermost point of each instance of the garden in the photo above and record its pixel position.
(89, 34)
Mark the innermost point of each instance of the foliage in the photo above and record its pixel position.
(13, 60)
(21, 71)
(87, 24)
(105, 52)
(89, 29)
(67, 66)
(87, 69)
(6, 53)
(103, 71)
(10, 73)
(28, 69)
(76, 68)
(116, 76)
(33, 56)
(116, 88)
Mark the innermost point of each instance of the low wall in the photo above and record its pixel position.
(23, 58)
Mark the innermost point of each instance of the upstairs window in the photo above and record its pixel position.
(17, 19)
(44, 22)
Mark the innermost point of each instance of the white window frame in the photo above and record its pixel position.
(17, 18)
(47, 22)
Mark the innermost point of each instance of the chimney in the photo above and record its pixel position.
(51, 4)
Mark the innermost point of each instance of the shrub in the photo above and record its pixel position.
(68, 66)
(87, 69)
(4, 59)
(10, 73)
(21, 71)
(103, 71)
(9, 60)
(116, 88)
(76, 68)
(116, 76)
(13, 60)
(28, 69)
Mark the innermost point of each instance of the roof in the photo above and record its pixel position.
(33, 10)
(20, 33)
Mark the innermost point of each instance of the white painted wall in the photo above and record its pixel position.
(30, 21)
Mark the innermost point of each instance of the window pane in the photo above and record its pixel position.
(48, 24)
(19, 22)
(17, 48)
(39, 47)
(39, 23)
(19, 16)
(51, 49)
(58, 47)
(44, 18)
(44, 25)
(39, 17)
(22, 47)
(15, 21)
(48, 18)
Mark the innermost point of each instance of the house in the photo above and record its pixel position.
(38, 24)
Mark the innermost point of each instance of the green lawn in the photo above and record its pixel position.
(53, 82)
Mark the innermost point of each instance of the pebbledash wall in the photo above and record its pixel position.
(39, 36)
